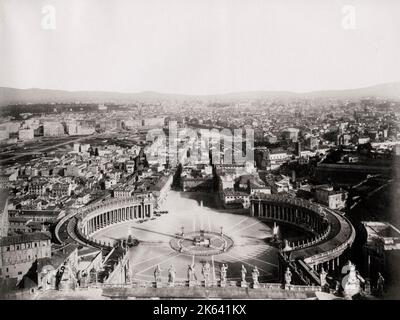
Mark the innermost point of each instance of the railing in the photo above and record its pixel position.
(292, 201)
(313, 241)
(112, 202)
(180, 284)
(346, 244)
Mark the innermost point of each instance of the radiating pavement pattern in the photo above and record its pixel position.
(187, 210)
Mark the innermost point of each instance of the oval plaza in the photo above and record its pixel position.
(322, 239)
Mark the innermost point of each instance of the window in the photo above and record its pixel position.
(8, 248)
(19, 272)
(35, 244)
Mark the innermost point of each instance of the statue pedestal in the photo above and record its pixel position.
(192, 283)
(207, 284)
(287, 286)
(171, 284)
(158, 284)
(351, 290)
(256, 285)
(243, 284)
(351, 286)
(222, 284)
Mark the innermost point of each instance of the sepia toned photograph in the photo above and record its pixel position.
(199, 150)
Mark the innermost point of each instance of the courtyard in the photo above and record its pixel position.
(190, 213)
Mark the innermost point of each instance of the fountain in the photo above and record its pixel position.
(201, 240)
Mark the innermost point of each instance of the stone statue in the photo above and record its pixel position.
(243, 271)
(224, 269)
(275, 231)
(380, 284)
(128, 274)
(192, 273)
(171, 275)
(351, 281)
(346, 268)
(288, 276)
(286, 246)
(322, 277)
(157, 273)
(255, 274)
(206, 272)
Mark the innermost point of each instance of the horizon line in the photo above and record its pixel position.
(206, 94)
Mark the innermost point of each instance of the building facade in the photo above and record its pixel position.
(19, 252)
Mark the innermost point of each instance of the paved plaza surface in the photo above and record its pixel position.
(193, 212)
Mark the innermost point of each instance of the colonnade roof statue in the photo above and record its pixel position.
(243, 273)
(255, 274)
(206, 269)
(171, 274)
(288, 276)
(192, 272)
(224, 271)
(157, 273)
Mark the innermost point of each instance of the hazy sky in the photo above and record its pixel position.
(199, 47)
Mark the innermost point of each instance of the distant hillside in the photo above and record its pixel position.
(385, 90)
(14, 96)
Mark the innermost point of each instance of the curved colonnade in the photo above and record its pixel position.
(100, 215)
(332, 233)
